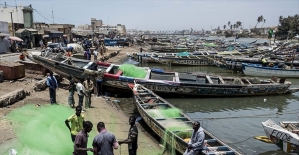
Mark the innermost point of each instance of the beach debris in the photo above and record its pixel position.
(12, 152)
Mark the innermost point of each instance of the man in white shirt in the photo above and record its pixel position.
(95, 55)
(81, 92)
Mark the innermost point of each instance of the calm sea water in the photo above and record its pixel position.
(237, 120)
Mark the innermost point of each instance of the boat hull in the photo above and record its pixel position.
(258, 70)
(284, 139)
(215, 146)
(200, 90)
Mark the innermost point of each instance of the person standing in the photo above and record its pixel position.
(132, 137)
(88, 85)
(104, 142)
(72, 88)
(77, 121)
(95, 55)
(81, 140)
(99, 82)
(196, 143)
(81, 92)
(53, 85)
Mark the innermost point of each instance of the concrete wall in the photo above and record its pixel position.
(17, 14)
(4, 45)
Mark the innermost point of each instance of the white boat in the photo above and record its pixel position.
(287, 140)
(259, 70)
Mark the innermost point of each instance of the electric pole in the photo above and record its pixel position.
(13, 29)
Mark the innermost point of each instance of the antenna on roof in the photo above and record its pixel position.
(52, 13)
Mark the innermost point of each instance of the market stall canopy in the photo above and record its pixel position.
(15, 38)
(32, 31)
(54, 34)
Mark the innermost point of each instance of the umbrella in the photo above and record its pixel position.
(15, 38)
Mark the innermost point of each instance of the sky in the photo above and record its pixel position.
(161, 15)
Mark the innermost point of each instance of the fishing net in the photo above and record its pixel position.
(132, 71)
(164, 113)
(42, 131)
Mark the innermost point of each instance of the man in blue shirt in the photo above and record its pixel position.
(53, 85)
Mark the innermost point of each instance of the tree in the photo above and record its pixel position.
(263, 23)
(259, 19)
(239, 24)
(288, 26)
(224, 27)
(231, 27)
(228, 23)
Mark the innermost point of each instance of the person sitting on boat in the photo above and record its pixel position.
(271, 64)
(22, 56)
(264, 61)
(196, 143)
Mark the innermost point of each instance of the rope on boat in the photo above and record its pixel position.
(240, 141)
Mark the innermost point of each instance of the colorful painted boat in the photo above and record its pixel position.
(259, 70)
(165, 83)
(187, 84)
(284, 136)
(175, 131)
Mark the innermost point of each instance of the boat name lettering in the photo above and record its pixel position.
(281, 135)
(192, 62)
(151, 87)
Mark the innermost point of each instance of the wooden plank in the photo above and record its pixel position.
(153, 104)
(240, 80)
(221, 80)
(109, 68)
(248, 81)
(177, 78)
(209, 79)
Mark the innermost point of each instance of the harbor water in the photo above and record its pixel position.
(236, 121)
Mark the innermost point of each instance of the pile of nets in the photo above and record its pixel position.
(132, 71)
(42, 131)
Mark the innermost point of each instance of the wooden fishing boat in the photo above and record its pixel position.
(259, 70)
(284, 136)
(65, 66)
(163, 82)
(176, 130)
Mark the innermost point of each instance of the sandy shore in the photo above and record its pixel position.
(104, 109)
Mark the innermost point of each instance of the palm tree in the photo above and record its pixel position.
(224, 27)
(239, 24)
(259, 19)
(228, 23)
(263, 23)
(231, 27)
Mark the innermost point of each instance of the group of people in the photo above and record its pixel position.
(87, 52)
(84, 88)
(104, 142)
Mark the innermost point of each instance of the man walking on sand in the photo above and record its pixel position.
(104, 142)
(88, 85)
(95, 54)
(132, 137)
(81, 140)
(72, 88)
(77, 121)
(53, 85)
(81, 92)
